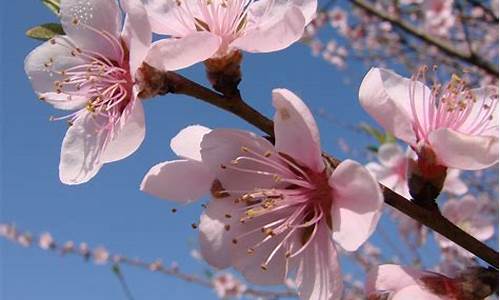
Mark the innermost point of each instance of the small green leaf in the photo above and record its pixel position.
(53, 5)
(379, 136)
(116, 269)
(45, 32)
(372, 148)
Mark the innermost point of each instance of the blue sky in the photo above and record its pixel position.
(110, 210)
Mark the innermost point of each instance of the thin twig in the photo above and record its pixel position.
(9, 232)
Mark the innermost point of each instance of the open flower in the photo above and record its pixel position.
(392, 166)
(394, 282)
(458, 125)
(91, 70)
(275, 208)
(467, 213)
(202, 29)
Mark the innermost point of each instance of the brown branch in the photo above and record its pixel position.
(170, 82)
(12, 234)
(443, 46)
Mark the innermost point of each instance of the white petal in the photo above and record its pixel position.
(173, 54)
(85, 20)
(43, 67)
(275, 35)
(187, 143)
(178, 180)
(136, 32)
(81, 151)
(128, 133)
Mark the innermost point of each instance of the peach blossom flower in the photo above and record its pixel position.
(101, 255)
(466, 214)
(91, 70)
(46, 241)
(276, 209)
(458, 125)
(201, 29)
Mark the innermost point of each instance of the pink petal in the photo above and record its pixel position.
(250, 265)
(178, 180)
(216, 245)
(391, 278)
(385, 96)
(174, 54)
(453, 184)
(43, 65)
(222, 146)
(187, 143)
(318, 276)
(128, 133)
(164, 18)
(136, 32)
(390, 154)
(357, 204)
(295, 129)
(415, 292)
(273, 10)
(465, 152)
(81, 151)
(219, 250)
(274, 35)
(83, 22)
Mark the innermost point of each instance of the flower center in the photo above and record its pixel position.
(452, 106)
(293, 206)
(102, 85)
(225, 18)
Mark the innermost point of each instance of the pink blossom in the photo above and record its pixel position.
(46, 241)
(449, 125)
(275, 209)
(467, 214)
(391, 171)
(394, 282)
(202, 29)
(226, 286)
(91, 70)
(439, 17)
(101, 255)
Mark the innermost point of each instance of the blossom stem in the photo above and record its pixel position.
(171, 82)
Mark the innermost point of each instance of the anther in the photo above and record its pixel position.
(227, 227)
(250, 251)
(244, 149)
(174, 210)
(228, 216)
(263, 267)
(235, 241)
(194, 225)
